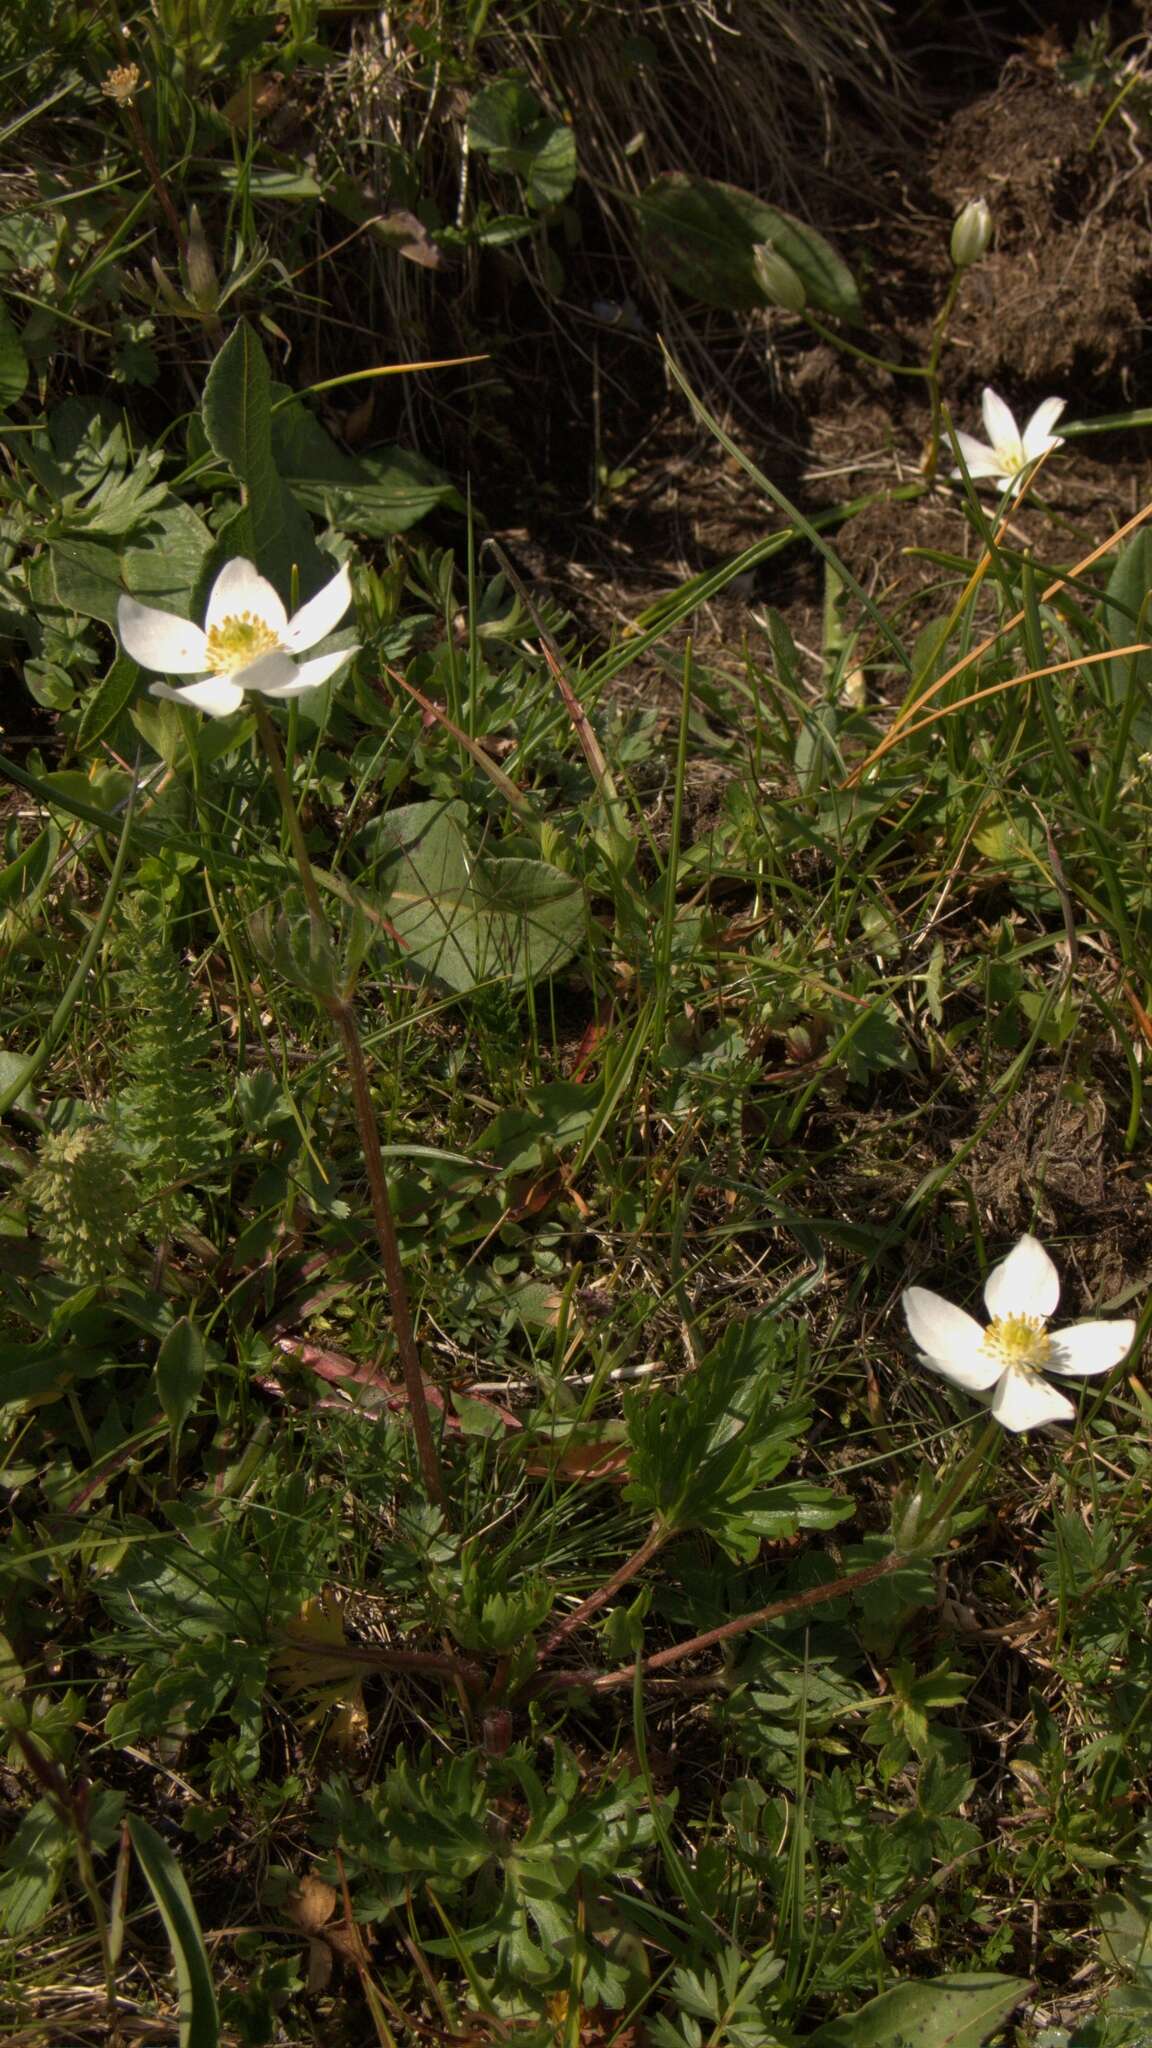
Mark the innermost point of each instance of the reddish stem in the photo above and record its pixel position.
(832, 1589)
(655, 1540)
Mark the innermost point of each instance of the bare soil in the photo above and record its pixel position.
(1059, 307)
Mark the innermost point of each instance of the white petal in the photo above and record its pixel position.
(320, 616)
(1026, 1283)
(979, 459)
(1000, 425)
(159, 640)
(240, 588)
(951, 1340)
(1021, 1402)
(218, 696)
(269, 672)
(1090, 1347)
(310, 674)
(1038, 435)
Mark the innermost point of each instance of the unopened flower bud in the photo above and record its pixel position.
(971, 233)
(779, 282)
(203, 283)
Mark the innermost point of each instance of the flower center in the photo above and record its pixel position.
(237, 641)
(1019, 1342)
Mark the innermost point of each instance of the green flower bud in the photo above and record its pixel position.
(779, 282)
(971, 233)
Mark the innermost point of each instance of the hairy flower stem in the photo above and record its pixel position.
(343, 1016)
(795, 1603)
(655, 1540)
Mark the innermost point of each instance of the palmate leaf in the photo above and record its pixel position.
(704, 1452)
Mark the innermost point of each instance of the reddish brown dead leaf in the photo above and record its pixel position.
(601, 1459)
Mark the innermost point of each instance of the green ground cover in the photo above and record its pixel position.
(485, 1560)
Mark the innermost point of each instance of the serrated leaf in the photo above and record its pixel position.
(199, 2021)
(702, 236)
(942, 2012)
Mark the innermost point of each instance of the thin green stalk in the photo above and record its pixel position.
(939, 330)
(343, 1015)
(988, 1440)
(862, 355)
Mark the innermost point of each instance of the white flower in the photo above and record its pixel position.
(1007, 1360)
(1011, 452)
(247, 642)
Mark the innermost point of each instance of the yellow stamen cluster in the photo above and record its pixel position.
(1021, 1342)
(122, 84)
(239, 639)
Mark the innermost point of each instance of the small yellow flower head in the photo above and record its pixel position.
(122, 84)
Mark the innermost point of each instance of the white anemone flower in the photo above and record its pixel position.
(1008, 453)
(247, 641)
(1007, 1361)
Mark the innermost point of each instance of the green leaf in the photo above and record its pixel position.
(1126, 1934)
(702, 236)
(510, 126)
(87, 576)
(271, 528)
(553, 1119)
(943, 2012)
(13, 362)
(180, 1368)
(1125, 615)
(35, 1860)
(108, 700)
(199, 2019)
(23, 884)
(466, 918)
(704, 1452)
(166, 558)
(374, 495)
(12, 1065)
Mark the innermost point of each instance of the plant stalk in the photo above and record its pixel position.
(655, 1540)
(343, 1016)
(813, 1596)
